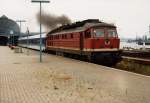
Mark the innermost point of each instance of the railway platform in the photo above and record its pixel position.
(63, 80)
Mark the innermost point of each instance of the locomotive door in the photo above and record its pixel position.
(81, 41)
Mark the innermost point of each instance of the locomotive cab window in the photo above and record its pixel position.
(112, 33)
(99, 33)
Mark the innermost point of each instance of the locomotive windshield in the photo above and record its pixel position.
(99, 32)
(112, 33)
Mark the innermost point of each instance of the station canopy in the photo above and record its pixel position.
(8, 27)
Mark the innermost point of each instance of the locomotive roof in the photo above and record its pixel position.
(79, 26)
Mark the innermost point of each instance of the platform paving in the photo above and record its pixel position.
(62, 80)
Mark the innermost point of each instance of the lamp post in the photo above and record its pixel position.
(149, 30)
(20, 21)
(40, 1)
(28, 40)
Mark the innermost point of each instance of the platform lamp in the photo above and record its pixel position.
(40, 2)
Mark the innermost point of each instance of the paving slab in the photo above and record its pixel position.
(62, 80)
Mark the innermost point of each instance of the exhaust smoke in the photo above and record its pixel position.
(51, 21)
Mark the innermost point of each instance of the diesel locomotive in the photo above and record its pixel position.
(95, 40)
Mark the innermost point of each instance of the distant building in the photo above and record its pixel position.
(9, 31)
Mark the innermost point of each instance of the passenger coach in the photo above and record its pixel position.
(32, 42)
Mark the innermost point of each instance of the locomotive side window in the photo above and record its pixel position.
(65, 36)
(71, 35)
(112, 33)
(57, 36)
(62, 36)
(99, 32)
(88, 34)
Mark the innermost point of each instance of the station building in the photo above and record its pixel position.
(9, 31)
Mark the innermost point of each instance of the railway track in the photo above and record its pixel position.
(144, 54)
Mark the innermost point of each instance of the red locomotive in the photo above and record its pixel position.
(97, 41)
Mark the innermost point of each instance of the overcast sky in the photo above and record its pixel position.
(132, 17)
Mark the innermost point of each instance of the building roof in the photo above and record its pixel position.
(8, 26)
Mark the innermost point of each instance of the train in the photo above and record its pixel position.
(32, 41)
(92, 39)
